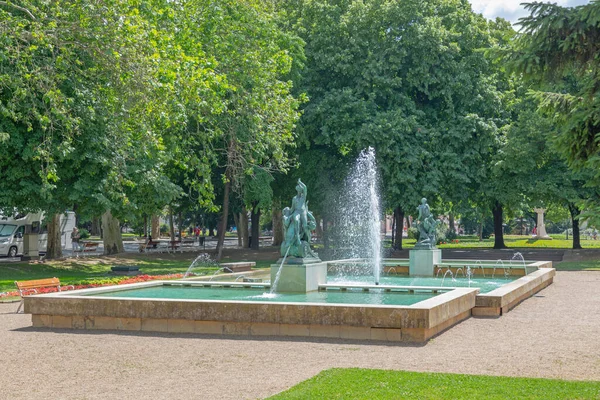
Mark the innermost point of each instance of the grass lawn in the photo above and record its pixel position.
(578, 266)
(511, 241)
(74, 271)
(371, 384)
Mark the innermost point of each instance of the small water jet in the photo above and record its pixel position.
(444, 278)
(203, 260)
(518, 256)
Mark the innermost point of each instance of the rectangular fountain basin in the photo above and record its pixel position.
(92, 309)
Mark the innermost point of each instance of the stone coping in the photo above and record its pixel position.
(501, 300)
(405, 261)
(418, 321)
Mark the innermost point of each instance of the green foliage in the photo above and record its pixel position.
(408, 79)
(84, 233)
(358, 383)
(413, 233)
(556, 51)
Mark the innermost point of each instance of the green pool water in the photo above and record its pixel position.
(484, 284)
(374, 297)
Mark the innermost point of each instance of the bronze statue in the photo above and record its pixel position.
(298, 223)
(426, 225)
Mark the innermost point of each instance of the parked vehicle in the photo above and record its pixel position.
(12, 230)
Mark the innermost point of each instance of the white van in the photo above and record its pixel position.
(12, 230)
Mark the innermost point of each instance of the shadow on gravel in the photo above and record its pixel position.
(194, 336)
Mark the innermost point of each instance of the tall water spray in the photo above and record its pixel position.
(360, 213)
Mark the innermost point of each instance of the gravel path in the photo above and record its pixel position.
(555, 334)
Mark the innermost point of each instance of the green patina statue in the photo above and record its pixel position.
(298, 223)
(426, 225)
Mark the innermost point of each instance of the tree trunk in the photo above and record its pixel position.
(171, 225)
(393, 229)
(325, 233)
(95, 229)
(111, 229)
(255, 219)
(407, 222)
(145, 230)
(180, 224)
(480, 230)
(236, 221)
(223, 225)
(399, 215)
(498, 229)
(277, 223)
(451, 223)
(318, 229)
(155, 231)
(244, 227)
(53, 247)
(575, 211)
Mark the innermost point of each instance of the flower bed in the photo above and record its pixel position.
(87, 284)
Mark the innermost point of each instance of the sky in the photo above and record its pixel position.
(512, 10)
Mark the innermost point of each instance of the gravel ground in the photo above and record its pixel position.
(555, 334)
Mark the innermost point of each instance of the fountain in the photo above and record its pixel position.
(299, 300)
(359, 215)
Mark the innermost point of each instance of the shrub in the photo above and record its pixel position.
(84, 233)
(413, 233)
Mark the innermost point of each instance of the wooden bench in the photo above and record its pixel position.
(26, 288)
(238, 266)
(85, 248)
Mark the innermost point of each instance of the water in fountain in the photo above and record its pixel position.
(203, 260)
(444, 278)
(478, 262)
(495, 266)
(274, 285)
(517, 257)
(359, 225)
(469, 274)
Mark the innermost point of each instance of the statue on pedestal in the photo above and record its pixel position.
(426, 225)
(298, 223)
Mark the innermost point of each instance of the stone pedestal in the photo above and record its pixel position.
(541, 228)
(298, 276)
(31, 246)
(421, 262)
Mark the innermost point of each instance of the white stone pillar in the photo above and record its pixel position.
(541, 228)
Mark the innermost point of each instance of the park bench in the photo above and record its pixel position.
(241, 266)
(26, 288)
(174, 245)
(89, 248)
(153, 246)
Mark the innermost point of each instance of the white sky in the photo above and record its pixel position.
(512, 10)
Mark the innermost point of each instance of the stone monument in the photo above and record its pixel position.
(425, 254)
(301, 268)
(541, 228)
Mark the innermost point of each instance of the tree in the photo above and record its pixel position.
(259, 113)
(408, 79)
(557, 45)
(77, 100)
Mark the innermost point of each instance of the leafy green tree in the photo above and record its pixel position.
(408, 79)
(77, 106)
(557, 51)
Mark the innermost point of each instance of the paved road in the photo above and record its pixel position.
(553, 335)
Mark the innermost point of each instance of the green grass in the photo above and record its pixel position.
(511, 241)
(70, 272)
(578, 266)
(74, 271)
(378, 384)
